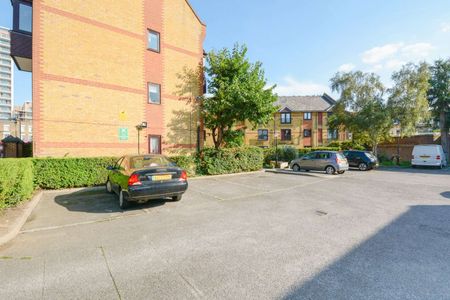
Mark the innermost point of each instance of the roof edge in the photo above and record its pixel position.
(196, 15)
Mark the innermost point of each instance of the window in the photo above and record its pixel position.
(263, 134)
(25, 17)
(154, 144)
(285, 134)
(285, 118)
(154, 93)
(307, 116)
(307, 132)
(332, 134)
(153, 40)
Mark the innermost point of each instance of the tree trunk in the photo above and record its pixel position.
(444, 132)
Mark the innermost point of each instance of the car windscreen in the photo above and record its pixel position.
(140, 162)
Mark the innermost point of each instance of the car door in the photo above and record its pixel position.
(350, 158)
(306, 160)
(321, 160)
(316, 161)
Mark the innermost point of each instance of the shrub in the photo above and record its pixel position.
(57, 173)
(285, 153)
(186, 162)
(230, 160)
(16, 181)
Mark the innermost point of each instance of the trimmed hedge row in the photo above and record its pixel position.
(16, 181)
(58, 173)
(230, 160)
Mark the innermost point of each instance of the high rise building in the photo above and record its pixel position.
(6, 76)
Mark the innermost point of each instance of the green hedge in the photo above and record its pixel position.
(16, 181)
(186, 162)
(57, 173)
(230, 160)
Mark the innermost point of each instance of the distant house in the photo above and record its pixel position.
(301, 121)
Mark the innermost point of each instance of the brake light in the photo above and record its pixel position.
(134, 180)
(438, 157)
(183, 176)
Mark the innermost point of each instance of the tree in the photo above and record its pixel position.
(361, 108)
(407, 102)
(439, 98)
(238, 90)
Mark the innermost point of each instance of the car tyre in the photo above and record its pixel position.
(108, 186)
(123, 200)
(362, 167)
(296, 168)
(330, 170)
(177, 198)
(341, 172)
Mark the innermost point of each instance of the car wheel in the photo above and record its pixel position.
(362, 167)
(109, 187)
(330, 170)
(296, 168)
(341, 172)
(123, 201)
(176, 198)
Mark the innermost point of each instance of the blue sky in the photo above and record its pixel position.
(303, 43)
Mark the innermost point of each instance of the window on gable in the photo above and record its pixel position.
(286, 118)
(307, 116)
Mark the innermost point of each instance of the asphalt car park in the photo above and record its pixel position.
(381, 234)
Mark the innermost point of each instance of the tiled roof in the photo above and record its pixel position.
(306, 103)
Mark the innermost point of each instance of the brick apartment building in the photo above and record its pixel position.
(301, 122)
(101, 68)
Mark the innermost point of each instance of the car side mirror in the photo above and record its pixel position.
(110, 168)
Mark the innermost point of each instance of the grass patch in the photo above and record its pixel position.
(389, 163)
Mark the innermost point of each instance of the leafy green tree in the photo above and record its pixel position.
(407, 102)
(439, 98)
(239, 93)
(361, 108)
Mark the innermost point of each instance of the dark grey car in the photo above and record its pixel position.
(329, 161)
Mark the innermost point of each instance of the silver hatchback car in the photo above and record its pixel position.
(331, 162)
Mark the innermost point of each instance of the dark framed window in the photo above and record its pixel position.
(307, 116)
(153, 41)
(22, 17)
(332, 134)
(154, 144)
(263, 134)
(286, 118)
(154, 93)
(285, 134)
(307, 132)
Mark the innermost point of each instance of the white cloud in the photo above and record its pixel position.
(378, 54)
(445, 27)
(293, 87)
(393, 56)
(417, 51)
(346, 67)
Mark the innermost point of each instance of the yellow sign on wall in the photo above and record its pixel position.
(123, 116)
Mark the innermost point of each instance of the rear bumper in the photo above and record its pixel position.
(156, 191)
(342, 167)
(418, 162)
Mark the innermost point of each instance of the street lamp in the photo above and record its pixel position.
(139, 128)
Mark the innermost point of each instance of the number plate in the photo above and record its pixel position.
(161, 177)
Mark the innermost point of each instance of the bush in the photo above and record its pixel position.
(346, 145)
(230, 160)
(16, 181)
(285, 153)
(57, 173)
(186, 162)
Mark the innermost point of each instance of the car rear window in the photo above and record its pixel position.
(140, 162)
(340, 155)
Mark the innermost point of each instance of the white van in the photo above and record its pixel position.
(428, 155)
